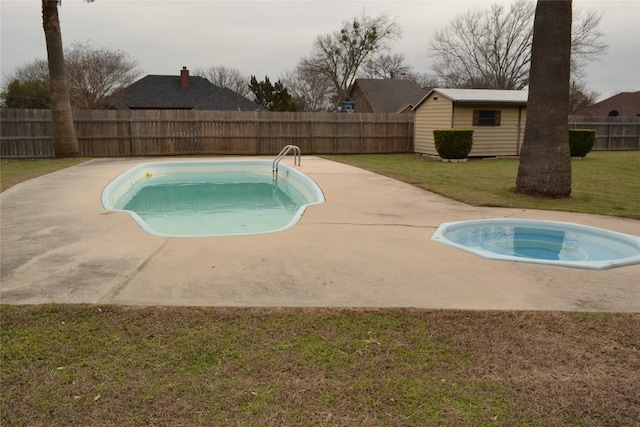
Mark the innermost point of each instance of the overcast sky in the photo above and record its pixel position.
(270, 37)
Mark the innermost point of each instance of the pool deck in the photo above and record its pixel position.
(368, 245)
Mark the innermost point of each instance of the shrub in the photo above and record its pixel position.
(453, 143)
(581, 141)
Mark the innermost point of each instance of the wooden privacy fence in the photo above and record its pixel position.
(27, 133)
(612, 133)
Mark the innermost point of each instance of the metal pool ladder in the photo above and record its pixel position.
(284, 152)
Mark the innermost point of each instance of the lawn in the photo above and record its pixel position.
(603, 183)
(124, 366)
(13, 172)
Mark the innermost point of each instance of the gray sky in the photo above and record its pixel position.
(270, 37)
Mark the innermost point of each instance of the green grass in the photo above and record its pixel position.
(106, 365)
(13, 172)
(603, 183)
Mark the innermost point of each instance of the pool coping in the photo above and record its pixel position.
(368, 245)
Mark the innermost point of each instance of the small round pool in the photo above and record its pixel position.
(542, 242)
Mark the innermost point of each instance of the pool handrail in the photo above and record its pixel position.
(285, 150)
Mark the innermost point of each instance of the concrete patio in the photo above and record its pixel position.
(367, 246)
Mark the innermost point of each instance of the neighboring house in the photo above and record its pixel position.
(496, 116)
(183, 92)
(385, 95)
(624, 104)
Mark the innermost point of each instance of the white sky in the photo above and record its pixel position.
(270, 37)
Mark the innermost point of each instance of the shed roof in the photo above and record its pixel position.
(389, 95)
(490, 96)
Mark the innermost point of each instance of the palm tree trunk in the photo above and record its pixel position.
(65, 143)
(545, 160)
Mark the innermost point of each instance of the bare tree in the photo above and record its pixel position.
(338, 57)
(230, 78)
(587, 43)
(37, 70)
(424, 80)
(311, 92)
(94, 73)
(91, 73)
(385, 66)
(492, 48)
(65, 142)
(545, 160)
(580, 96)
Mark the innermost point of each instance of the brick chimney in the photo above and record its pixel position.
(184, 77)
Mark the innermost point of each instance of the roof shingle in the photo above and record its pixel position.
(626, 104)
(166, 92)
(390, 95)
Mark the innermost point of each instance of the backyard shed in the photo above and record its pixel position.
(497, 118)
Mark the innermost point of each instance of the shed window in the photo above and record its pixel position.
(486, 117)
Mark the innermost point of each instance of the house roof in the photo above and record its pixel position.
(389, 95)
(627, 104)
(476, 96)
(157, 91)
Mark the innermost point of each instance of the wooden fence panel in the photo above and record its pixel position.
(227, 137)
(25, 136)
(26, 148)
(382, 137)
(103, 138)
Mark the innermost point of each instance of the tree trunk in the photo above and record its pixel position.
(545, 160)
(65, 143)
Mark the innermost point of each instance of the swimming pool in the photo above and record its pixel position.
(542, 242)
(214, 198)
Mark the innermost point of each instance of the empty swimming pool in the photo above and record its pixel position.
(215, 198)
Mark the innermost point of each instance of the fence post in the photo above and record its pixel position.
(408, 136)
(258, 137)
(311, 135)
(132, 145)
(197, 131)
(609, 136)
(361, 134)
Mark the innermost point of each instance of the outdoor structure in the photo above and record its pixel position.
(385, 95)
(184, 92)
(153, 132)
(624, 104)
(496, 116)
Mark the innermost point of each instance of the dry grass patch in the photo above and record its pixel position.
(91, 365)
